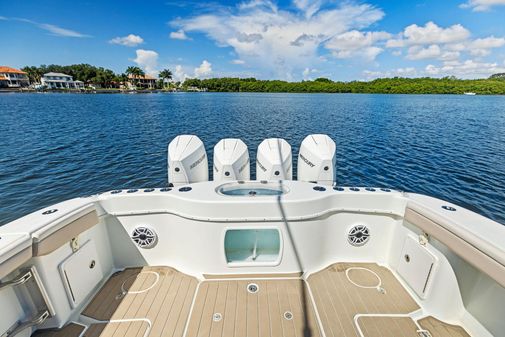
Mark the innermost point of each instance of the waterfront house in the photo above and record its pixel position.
(13, 78)
(196, 89)
(143, 81)
(61, 81)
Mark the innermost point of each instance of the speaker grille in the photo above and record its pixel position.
(358, 235)
(144, 237)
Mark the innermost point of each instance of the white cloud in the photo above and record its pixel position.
(480, 52)
(237, 61)
(420, 53)
(481, 47)
(307, 72)
(430, 33)
(204, 70)
(434, 42)
(399, 72)
(432, 70)
(482, 5)
(53, 29)
(281, 42)
(258, 4)
(58, 31)
(456, 46)
(356, 43)
(130, 40)
(309, 7)
(449, 55)
(179, 74)
(487, 43)
(179, 35)
(460, 69)
(147, 60)
(466, 69)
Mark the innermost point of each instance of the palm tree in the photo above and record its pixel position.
(135, 73)
(34, 74)
(165, 74)
(122, 78)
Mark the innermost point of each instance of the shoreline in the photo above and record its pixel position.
(161, 91)
(97, 91)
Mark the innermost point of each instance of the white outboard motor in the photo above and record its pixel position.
(316, 160)
(274, 160)
(231, 160)
(187, 160)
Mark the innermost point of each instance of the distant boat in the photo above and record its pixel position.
(470, 93)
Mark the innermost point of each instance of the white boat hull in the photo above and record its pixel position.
(209, 237)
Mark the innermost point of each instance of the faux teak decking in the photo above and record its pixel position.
(345, 300)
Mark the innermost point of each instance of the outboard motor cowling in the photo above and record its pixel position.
(274, 160)
(187, 160)
(231, 160)
(316, 160)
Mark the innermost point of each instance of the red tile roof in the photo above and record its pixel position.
(4, 69)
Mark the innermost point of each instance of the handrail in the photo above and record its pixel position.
(17, 281)
(20, 325)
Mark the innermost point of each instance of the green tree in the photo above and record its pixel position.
(165, 75)
(34, 74)
(499, 76)
(323, 80)
(121, 79)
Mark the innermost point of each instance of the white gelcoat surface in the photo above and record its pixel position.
(191, 227)
(81, 272)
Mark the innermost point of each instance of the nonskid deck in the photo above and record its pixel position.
(341, 300)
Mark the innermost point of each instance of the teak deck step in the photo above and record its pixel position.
(118, 329)
(441, 329)
(338, 299)
(278, 308)
(372, 326)
(159, 294)
(70, 330)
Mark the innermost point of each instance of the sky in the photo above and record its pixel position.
(289, 40)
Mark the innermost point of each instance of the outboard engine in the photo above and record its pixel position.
(231, 160)
(187, 160)
(274, 159)
(316, 160)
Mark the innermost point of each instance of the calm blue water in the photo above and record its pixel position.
(58, 146)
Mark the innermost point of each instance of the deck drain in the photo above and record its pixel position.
(217, 317)
(288, 315)
(252, 288)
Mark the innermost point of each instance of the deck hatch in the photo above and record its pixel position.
(417, 266)
(79, 279)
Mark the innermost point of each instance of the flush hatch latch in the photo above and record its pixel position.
(424, 333)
